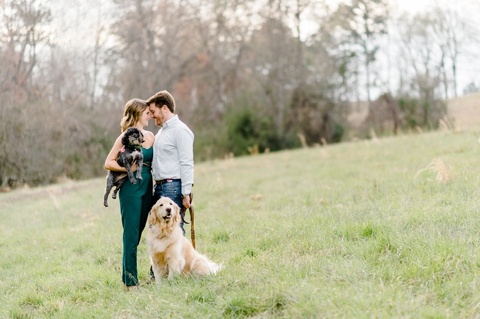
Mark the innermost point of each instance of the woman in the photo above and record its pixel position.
(135, 199)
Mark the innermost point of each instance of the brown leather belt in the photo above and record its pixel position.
(167, 180)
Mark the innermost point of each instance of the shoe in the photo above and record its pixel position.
(130, 288)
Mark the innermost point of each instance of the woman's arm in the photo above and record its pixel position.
(111, 161)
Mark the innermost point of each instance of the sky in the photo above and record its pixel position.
(88, 15)
(468, 68)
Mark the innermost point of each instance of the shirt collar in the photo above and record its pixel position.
(171, 121)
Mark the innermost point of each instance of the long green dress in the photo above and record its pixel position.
(135, 204)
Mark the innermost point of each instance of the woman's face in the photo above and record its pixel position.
(144, 118)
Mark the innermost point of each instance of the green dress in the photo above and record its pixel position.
(135, 204)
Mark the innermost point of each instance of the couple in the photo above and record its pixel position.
(170, 156)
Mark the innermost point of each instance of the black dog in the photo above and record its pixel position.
(129, 154)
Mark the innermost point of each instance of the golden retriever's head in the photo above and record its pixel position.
(165, 213)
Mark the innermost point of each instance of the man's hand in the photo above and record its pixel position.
(186, 201)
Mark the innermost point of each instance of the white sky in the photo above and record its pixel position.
(468, 68)
(88, 15)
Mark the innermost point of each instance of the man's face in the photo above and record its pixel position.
(157, 114)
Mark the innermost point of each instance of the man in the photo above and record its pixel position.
(172, 166)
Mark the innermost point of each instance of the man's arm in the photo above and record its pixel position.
(185, 154)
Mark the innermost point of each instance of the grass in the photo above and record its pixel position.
(373, 229)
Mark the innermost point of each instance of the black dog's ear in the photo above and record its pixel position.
(125, 137)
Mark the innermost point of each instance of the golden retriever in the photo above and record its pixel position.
(170, 252)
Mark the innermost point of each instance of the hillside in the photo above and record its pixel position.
(381, 228)
(465, 111)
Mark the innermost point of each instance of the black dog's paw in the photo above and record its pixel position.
(105, 204)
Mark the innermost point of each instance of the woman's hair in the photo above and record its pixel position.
(132, 113)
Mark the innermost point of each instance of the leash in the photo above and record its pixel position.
(192, 219)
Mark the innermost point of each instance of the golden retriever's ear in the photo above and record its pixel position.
(152, 216)
(177, 217)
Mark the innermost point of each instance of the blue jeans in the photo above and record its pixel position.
(172, 189)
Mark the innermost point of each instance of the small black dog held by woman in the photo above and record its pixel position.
(131, 153)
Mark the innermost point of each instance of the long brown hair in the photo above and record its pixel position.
(132, 113)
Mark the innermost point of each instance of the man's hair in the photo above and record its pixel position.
(163, 98)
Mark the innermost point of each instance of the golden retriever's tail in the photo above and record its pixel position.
(214, 267)
(201, 265)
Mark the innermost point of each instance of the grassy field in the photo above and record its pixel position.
(385, 228)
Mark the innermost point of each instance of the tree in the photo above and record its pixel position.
(224, 29)
(452, 33)
(21, 35)
(363, 22)
(420, 89)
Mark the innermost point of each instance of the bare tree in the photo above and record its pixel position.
(21, 35)
(155, 45)
(364, 22)
(424, 58)
(452, 32)
(224, 29)
(333, 66)
(420, 51)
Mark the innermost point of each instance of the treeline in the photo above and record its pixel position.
(248, 76)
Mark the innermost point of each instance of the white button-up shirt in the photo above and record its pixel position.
(173, 153)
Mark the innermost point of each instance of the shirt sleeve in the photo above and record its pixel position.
(185, 154)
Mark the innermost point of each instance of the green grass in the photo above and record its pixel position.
(354, 230)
